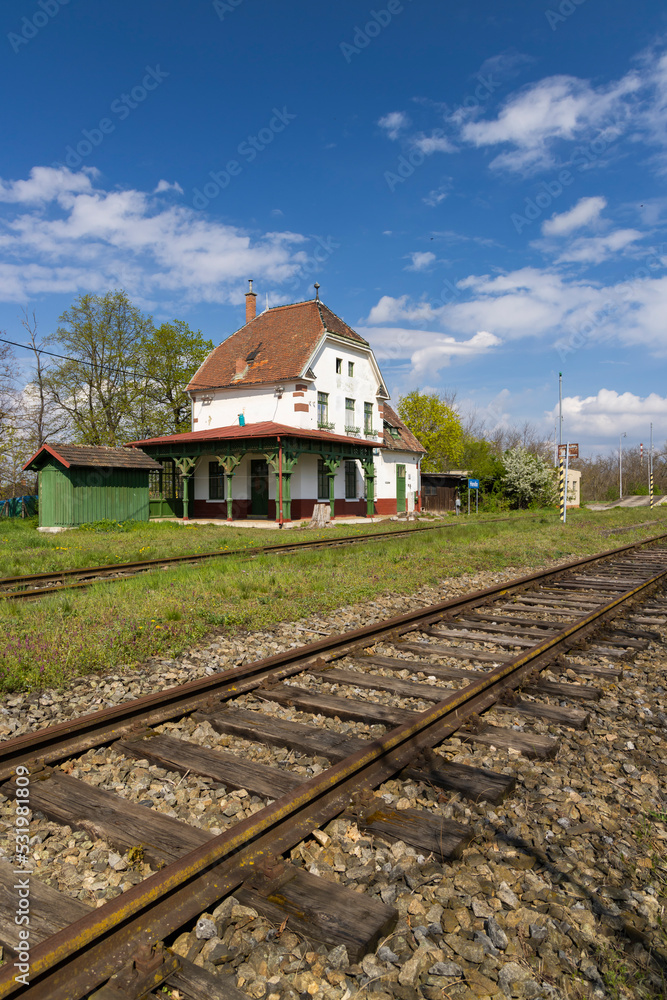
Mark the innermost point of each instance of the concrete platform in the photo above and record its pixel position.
(265, 523)
(641, 501)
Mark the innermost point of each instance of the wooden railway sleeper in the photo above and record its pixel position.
(150, 966)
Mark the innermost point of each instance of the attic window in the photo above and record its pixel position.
(392, 430)
(253, 354)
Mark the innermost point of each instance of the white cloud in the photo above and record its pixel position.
(421, 260)
(46, 184)
(63, 234)
(595, 249)
(394, 123)
(610, 413)
(537, 304)
(558, 107)
(437, 195)
(427, 351)
(535, 122)
(166, 186)
(434, 143)
(389, 309)
(585, 212)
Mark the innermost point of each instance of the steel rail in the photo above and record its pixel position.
(104, 571)
(82, 956)
(63, 739)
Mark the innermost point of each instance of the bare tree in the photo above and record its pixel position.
(8, 428)
(41, 419)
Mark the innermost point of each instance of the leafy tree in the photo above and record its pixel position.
(437, 425)
(528, 479)
(97, 387)
(481, 459)
(168, 357)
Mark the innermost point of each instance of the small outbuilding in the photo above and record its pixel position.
(440, 490)
(83, 483)
(573, 488)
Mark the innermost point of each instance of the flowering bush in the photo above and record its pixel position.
(528, 480)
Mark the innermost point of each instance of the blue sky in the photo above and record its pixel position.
(478, 188)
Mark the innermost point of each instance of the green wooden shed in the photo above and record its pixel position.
(83, 483)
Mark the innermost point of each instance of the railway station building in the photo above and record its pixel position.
(289, 411)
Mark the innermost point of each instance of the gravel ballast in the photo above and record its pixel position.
(560, 894)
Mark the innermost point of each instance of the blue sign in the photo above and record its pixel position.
(473, 484)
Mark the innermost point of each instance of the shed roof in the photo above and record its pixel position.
(273, 347)
(96, 456)
(404, 440)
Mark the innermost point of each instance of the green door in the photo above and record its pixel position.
(400, 489)
(259, 488)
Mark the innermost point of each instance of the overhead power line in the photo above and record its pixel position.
(90, 364)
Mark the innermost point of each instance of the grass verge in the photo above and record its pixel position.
(113, 625)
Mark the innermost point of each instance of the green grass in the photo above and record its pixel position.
(24, 550)
(119, 624)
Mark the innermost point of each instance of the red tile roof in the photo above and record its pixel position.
(405, 441)
(273, 347)
(265, 428)
(88, 456)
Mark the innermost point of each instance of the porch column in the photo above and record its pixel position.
(185, 467)
(332, 465)
(369, 479)
(229, 464)
(290, 458)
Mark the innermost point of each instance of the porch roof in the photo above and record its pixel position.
(261, 434)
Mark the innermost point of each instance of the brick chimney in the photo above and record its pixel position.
(250, 303)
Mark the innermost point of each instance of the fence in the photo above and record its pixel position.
(18, 507)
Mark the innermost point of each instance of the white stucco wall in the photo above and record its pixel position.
(256, 405)
(221, 408)
(385, 468)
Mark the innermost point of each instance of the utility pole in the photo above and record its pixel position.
(560, 408)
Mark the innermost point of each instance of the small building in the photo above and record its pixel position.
(573, 488)
(83, 483)
(440, 490)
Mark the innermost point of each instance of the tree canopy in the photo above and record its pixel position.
(437, 425)
(122, 377)
(169, 356)
(97, 386)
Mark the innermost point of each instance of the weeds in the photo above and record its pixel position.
(119, 624)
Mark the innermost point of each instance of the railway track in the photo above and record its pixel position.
(414, 681)
(35, 585)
